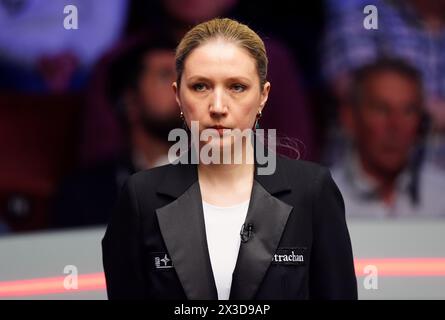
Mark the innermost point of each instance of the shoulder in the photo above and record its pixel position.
(432, 175)
(304, 170)
(432, 183)
(149, 178)
(311, 179)
(315, 183)
(89, 179)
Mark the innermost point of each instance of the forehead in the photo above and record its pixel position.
(220, 58)
(388, 80)
(159, 57)
(392, 86)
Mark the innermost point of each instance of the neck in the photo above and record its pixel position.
(149, 147)
(384, 180)
(229, 174)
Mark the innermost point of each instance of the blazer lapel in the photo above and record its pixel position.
(183, 230)
(268, 215)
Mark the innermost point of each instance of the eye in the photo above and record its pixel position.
(199, 87)
(237, 87)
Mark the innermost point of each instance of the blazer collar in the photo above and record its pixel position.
(183, 230)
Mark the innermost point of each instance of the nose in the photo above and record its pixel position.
(218, 103)
(397, 121)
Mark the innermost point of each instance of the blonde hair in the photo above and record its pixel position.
(227, 29)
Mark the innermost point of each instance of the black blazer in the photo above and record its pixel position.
(155, 244)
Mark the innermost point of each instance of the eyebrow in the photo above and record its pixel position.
(203, 78)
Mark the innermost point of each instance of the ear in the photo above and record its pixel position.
(264, 95)
(176, 91)
(130, 105)
(348, 119)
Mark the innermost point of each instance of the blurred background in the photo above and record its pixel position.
(86, 100)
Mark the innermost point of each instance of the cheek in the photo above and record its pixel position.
(242, 110)
(410, 135)
(161, 100)
(246, 110)
(412, 126)
(194, 109)
(373, 126)
(370, 135)
(243, 116)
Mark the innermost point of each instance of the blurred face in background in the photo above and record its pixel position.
(155, 84)
(195, 11)
(426, 7)
(386, 121)
(220, 85)
(153, 104)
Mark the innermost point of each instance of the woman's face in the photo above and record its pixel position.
(220, 86)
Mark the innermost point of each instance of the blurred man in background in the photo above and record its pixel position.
(413, 30)
(383, 174)
(139, 88)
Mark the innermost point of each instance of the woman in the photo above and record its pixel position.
(218, 230)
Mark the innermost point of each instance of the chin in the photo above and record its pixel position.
(392, 166)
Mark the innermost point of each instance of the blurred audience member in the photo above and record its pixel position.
(410, 29)
(140, 89)
(4, 228)
(383, 174)
(38, 54)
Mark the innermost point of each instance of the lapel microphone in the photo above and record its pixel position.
(246, 232)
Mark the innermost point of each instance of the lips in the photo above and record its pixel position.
(220, 129)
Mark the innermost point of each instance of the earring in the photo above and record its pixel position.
(184, 124)
(259, 115)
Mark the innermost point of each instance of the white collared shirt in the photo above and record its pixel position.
(223, 226)
(363, 200)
